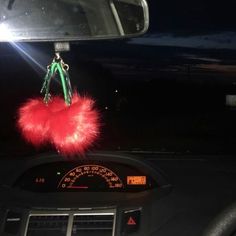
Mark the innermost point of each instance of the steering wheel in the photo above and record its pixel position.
(224, 224)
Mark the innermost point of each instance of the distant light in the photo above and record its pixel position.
(231, 100)
(5, 34)
(106, 108)
(58, 173)
(116, 91)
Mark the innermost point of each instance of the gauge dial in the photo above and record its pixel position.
(90, 177)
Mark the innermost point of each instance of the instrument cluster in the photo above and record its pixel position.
(85, 176)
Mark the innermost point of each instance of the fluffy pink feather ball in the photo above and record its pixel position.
(74, 128)
(33, 121)
(71, 129)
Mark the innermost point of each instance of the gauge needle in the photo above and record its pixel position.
(78, 187)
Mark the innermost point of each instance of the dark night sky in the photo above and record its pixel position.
(191, 17)
(191, 24)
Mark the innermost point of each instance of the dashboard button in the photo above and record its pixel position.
(131, 221)
(12, 223)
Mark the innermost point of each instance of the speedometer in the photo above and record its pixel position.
(90, 177)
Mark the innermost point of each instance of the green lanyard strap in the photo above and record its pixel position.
(58, 67)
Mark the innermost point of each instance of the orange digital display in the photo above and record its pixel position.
(136, 180)
(39, 180)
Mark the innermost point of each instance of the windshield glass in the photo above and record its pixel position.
(163, 92)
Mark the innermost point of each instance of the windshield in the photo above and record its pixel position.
(164, 92)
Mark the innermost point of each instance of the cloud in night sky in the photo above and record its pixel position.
(224, 40)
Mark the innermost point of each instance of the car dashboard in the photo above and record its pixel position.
(113, 194)
(99, 194)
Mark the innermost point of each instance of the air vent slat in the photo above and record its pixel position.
(94, 228)
(93, 224)
(47, 225)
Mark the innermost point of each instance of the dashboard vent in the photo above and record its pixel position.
(47, 225)
(71, 223)
(93, 224)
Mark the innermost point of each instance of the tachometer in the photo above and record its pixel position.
(90, 178)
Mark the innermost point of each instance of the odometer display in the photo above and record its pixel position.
(90, 178)
(136, 180)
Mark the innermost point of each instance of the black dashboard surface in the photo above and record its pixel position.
(189, 191)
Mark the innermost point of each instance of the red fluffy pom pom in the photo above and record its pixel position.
(73, 128)
(33, 121)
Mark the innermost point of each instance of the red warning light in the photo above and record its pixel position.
(131, 221)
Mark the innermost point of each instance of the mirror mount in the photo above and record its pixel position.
(61, 47)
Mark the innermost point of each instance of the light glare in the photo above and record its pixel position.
(5, 34)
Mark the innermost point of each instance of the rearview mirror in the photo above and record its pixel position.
(68, 20)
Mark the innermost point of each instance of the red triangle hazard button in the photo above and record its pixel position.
(131, 221)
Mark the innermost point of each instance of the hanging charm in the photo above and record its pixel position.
(70, 124)
(57, 67)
